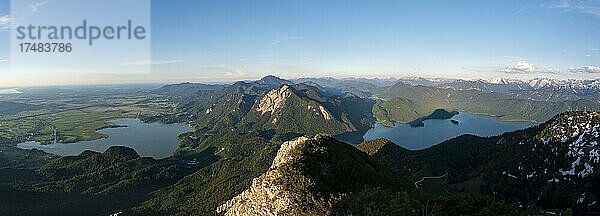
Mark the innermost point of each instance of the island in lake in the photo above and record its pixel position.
(437, 114)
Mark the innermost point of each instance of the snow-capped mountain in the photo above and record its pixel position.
(501, 81)
(541, 89)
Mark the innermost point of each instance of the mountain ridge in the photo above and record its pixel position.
(318, 175)
(551, 166)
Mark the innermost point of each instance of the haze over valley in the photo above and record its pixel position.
(320, 108)
(242, 125)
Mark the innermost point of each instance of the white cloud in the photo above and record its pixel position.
(36, 5)
(582, 6)
(586, 69)
(144, 63)
(5, 22)
(3, 59)
(523, 67)
(235, 74)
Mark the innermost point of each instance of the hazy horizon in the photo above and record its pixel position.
(227, 82)
(224, 41)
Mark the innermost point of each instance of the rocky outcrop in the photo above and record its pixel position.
(274, 100)
(265, 196)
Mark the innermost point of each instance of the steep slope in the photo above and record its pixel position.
(284, 110)
(287, 110)
(226, 106)
(306, 111)
(549, 167)
(264, 191)
(308, 176)
(243, 156)
(321, 176)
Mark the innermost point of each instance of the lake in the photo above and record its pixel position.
(10, 91)
(439, 130)
(148, 139)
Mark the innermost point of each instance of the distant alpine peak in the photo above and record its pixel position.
(270, 77)
(500, 80)
(273, 80)
(542, 82)
(497, 80)
(539, 83)
(433, 79)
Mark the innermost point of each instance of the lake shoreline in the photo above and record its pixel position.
(436, 131)
(149, 139)
(391, 124)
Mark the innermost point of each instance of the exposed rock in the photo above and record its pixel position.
(325, 113)
(274, 99)
(265, 197)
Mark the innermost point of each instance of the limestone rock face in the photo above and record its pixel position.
(274, 100)
(265, 197)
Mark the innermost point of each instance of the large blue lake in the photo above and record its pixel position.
(148, 139)
(439, 130)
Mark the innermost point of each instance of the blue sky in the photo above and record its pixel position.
(230, 40)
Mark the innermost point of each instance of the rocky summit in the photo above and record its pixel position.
(265, 196)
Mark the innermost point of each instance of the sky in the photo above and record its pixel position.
(218, 41)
